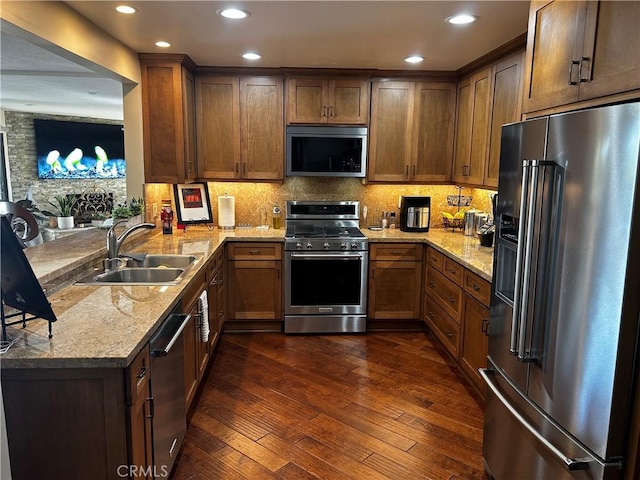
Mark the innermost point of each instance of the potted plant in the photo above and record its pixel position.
(64, 205)
(136, 205)
(97, 219)
(121, 211)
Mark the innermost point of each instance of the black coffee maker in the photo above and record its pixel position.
(415, 214)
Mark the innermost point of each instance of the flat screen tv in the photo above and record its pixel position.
(79, 150)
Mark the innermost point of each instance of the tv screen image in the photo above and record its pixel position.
(79, 150)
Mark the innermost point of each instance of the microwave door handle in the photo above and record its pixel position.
(517, 304)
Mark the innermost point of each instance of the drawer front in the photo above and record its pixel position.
(138, 375)
(435, 258)
(452, 270)
(215, 264)
(447, 331)
(477, 287)
(254, 251)
(445, 292)
(411, 252)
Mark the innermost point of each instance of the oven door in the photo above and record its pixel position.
(326, 283)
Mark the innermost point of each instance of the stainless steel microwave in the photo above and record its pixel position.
(319, 151)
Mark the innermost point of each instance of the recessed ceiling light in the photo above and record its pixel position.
(126, 9)
(251, 56)
(234, 13)
(162, 44)
(414, 59)
(462, 19)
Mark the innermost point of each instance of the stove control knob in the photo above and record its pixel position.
(309, 245)
(299, 245)
(326, 245)
(344, 245)
(354, 245)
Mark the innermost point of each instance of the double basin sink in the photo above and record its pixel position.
(141, 269)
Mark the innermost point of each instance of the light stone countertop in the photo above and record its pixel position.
(106, 326)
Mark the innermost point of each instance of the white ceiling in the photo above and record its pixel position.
(332, 34)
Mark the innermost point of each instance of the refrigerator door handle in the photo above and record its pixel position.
(524, 224)
(569, 463)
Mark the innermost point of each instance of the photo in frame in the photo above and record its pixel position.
(192, 203)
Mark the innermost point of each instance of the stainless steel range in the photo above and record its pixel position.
(326, 261)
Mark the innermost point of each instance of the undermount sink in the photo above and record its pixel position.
(136, 276)
(144, 269)
(161, 261)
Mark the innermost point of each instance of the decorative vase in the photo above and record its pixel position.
(65, 223)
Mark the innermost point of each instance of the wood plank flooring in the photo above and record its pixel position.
(374, 406)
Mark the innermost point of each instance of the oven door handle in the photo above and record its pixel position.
(325, 256)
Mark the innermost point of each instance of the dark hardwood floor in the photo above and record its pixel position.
(374, 406)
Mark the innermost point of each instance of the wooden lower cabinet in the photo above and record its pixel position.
(395, 281)
(456, 309)
(254, 286)
(475, 340)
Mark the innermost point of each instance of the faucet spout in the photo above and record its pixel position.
(114, 242)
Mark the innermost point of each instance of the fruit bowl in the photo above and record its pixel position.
(452, 222)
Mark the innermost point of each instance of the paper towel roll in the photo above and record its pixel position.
(227, 212)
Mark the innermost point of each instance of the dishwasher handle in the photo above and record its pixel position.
(164, 348)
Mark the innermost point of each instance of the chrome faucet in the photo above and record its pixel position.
(114, 243)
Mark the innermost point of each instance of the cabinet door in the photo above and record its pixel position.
(475, 342)
(348, 102)
(191, 363)
(218, 127)
(464, 115)
(433, 129)
(262, 128)
(255, 290)
(390, 135)
(141, 441)
(214, 308)
(306, 100)
(554, 42)
(612, 42)
(506, 107)
(164, 134)
(394, 290)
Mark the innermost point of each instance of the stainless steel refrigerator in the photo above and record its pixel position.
(565, 298)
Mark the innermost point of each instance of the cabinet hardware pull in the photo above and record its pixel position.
(254, 252)
(244, 168)
(406, 171)
(432, 283)
(237, 168)
(395, 253)
(475, 287)
(152, 407)
(582, 60)
(324, 111)
(573, 62)
(451, 270)
(414, 172)
(143, 372)
(332, 111)
(448, 334)
(485, 326)
(451, 299)
(430, 315)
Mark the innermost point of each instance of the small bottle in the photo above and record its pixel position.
(276, 216)
(166, 217)
(392, 220)
(385, 219)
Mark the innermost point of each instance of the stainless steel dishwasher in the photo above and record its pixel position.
(167, 388)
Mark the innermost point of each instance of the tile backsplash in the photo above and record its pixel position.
(252, 198)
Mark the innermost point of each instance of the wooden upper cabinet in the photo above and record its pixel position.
(506, 107)
(262, 128)
(168, 118)
(218, 127)
(339, 101)
(390, 132)
(580, 51)
(433, 130)
(240, 128)
(472, 127)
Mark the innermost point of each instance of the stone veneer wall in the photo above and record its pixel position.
(250, 198)
(23, 167)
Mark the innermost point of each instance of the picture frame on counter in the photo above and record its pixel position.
(192, 203)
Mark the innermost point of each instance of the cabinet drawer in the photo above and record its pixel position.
(477, 287)
(137, 375)
(411, 252)
(452, 270)
(435, 258)
(215, 263)
(254, 251)
(447, 330)
(445, 292)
